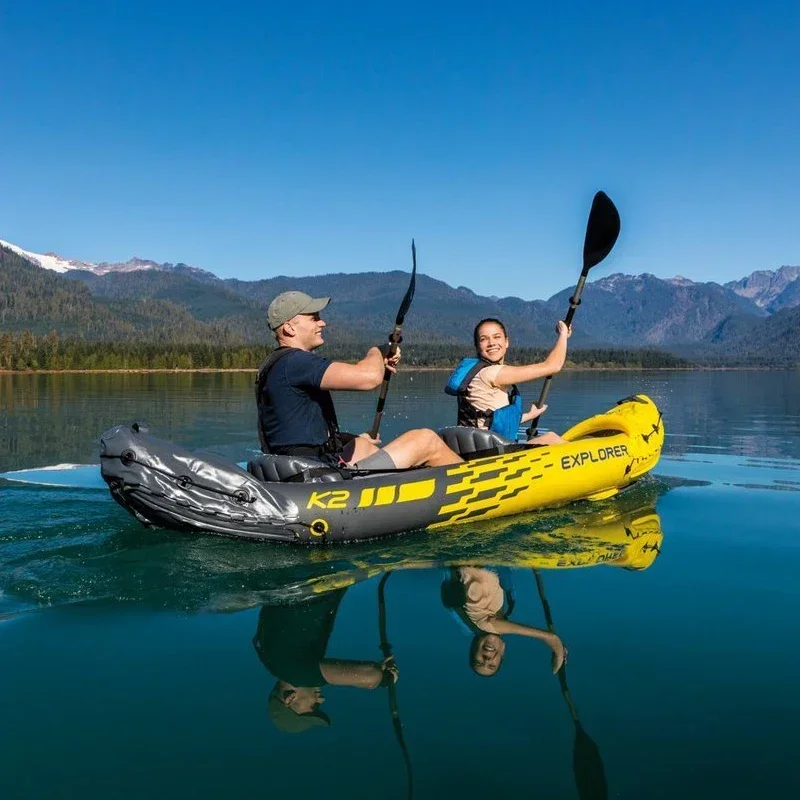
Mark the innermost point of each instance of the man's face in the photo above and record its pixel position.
(304, 700)
(307, 329)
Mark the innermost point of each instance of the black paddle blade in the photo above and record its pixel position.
(590, 776)
(406, 304)
(602, 231)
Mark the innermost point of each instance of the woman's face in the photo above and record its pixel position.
(492, 342)
(488, 654)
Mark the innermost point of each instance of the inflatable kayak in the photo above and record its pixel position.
(291, 499)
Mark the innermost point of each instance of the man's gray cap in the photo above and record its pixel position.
(290, 304)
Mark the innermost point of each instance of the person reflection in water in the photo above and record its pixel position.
(483, 599)
(291, 641)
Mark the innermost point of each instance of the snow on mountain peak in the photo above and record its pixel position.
(56, 263)
(50, 261)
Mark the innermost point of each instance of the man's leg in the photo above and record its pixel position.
(357, 449)
(421, 447)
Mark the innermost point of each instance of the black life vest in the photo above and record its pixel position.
(333, 444)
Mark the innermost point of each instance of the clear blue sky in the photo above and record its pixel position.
(256, 138)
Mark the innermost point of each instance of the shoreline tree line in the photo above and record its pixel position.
(26, 351)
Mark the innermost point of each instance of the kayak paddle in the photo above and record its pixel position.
(395, 338)
(386, 649)
(602, 230)
(587, 763)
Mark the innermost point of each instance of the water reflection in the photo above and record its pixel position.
(292, 642)
(294, 630)
(625, 532)
(482, 600)
(82, 552)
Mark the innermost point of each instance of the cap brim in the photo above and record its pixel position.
(315, 306)
(287, 721)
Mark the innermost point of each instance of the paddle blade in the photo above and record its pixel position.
(406, 304)
(602, 231)
(590, 776)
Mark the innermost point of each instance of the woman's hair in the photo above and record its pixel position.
(482, 323)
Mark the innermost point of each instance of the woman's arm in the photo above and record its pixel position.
(506, 626)
(531, 372)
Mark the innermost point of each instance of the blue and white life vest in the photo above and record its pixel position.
(505, 420)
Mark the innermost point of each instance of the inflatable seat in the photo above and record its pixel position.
(475, 442)
(275, 469)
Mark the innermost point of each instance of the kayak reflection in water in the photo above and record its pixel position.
(483, 599)
(291, 641)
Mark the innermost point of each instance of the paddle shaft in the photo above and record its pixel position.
(395, 337)
(588, 767)
(562, 673)
(394, 343)
(386, 649)
(574, 302)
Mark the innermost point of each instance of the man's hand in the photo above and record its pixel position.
(368, 436)
(390, 670)
(395, 359)
(562, 329)
(390, 363)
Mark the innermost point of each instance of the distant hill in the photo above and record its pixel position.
(775, 340)
(149, 302)
(39, 301)
(204, 301)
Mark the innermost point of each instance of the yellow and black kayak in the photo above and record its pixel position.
(289, 499)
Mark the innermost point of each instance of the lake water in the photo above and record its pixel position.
(127, 658)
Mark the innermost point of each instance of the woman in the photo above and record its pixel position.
(486, 387)
(483, 601)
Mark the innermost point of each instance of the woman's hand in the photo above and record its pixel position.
(376, 440)
(560, 652)
(562, 329)
(534, 413)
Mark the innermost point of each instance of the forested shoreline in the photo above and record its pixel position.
(25, 352)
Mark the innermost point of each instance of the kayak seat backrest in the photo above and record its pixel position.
(273, 469)
(469, 441)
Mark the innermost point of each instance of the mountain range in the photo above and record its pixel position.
(752, 320)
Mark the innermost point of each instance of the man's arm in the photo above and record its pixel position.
(361, 674)
(364, 376)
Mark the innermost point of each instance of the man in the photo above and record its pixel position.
(291, 641)
(295, 409)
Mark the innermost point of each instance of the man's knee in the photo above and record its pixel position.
(426, 437)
